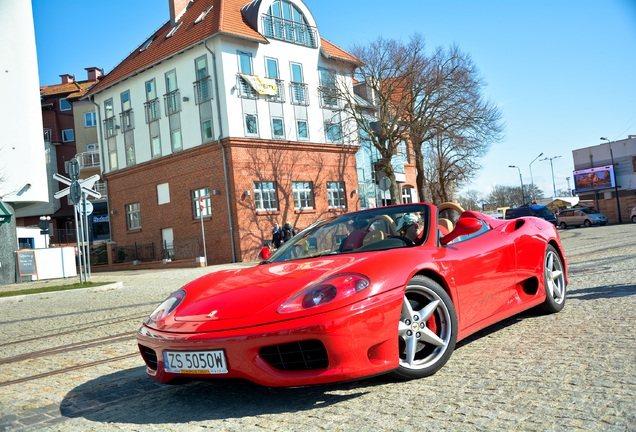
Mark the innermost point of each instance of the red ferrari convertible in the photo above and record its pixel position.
(389, 289)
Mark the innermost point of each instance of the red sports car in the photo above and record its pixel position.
(389, 289)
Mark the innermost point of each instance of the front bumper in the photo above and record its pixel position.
(359, 340)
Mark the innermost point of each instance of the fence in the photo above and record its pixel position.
(179, 249)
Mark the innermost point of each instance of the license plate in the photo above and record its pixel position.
(195, 362)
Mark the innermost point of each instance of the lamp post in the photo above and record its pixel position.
(552, 169)
(618, 202)
(531, 178)
(523, 195)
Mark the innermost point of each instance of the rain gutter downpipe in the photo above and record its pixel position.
(227, 186)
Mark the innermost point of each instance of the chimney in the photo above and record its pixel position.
(177, 7)
(66, 78)
(93, 73)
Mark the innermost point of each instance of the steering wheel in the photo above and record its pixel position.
(450, 210)
(385, 218)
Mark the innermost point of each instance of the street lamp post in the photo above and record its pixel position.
(531, 178)
(523, 195)
(552, 169)
(618, 202)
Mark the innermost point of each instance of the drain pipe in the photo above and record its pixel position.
(227, 186)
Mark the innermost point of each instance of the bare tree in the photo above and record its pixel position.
(450, 123)
(435, 102)
(384, 65)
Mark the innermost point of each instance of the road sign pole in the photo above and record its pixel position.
(77, 243)
(86, 237)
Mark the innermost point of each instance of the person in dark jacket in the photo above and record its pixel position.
(277, 236)
(288, 232)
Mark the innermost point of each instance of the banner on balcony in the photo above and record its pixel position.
(262, 85)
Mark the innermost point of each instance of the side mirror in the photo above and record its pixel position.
(463, 226)
(265, 253)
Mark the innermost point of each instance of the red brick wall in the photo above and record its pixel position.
(248, 161)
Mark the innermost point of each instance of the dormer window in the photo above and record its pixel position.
(174, 29)
(203, 14)
(284, 21)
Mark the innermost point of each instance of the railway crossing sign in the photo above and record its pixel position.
(77, 187)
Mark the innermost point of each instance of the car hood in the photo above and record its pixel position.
(249, 296)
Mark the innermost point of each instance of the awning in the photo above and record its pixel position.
(262, 85)
(5, 214)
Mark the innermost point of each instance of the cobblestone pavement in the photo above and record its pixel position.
(69, 362)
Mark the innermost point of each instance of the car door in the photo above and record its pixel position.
(484, 272)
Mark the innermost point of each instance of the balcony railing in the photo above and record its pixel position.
(152, 110)
(289, 31)
(110, 126)
(127, 120)
(88, 159)
(48, 133)
(280, 94)
(202, 90)
(245, 90)
(173, 102)
(328, 97)
(298, 93)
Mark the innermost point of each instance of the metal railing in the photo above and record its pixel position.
(173, 102)
(202, 90)
(298, 93)
(88, 159)
(289, 31)
(152, 111)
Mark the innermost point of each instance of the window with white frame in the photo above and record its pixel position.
(68, 135)
(303, 195)
(201, 205)
(133, 216)
(90, 119)
(336, 195)
(302, 129)
(65, 105)
(265, 196)
(251, 125)
(407, 194)
(278, 128)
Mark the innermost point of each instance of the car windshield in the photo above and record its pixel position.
(374, 229)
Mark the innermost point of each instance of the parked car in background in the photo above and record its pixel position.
(531, 210)
(632, 215)
(578, 216)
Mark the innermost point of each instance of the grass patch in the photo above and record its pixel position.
(53, 288)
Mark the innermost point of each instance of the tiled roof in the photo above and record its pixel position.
(223, 18)
(75, 89)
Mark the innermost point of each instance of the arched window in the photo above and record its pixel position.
(284, 21)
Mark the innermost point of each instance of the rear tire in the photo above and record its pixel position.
(563, 225)
(427, 330)
(587, 224)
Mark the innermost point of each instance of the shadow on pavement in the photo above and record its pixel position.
(602, 292)
(131, 397)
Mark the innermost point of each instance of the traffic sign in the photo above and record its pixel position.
(86, 186)
(84, 204)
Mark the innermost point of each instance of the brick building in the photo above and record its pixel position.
(226, 112)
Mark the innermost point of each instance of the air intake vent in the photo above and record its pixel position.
(150, 356)
(296, 356)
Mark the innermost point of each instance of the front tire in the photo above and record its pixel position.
(563, 225)
(587, 223)
(554, 281)
(427, 330)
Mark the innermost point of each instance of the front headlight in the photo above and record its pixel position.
(333, 289)
(165, 308)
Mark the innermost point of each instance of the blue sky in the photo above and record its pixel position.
(563, 72)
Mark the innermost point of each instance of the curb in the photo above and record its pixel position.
(22, 297)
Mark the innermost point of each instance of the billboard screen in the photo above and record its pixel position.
(592, 179)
